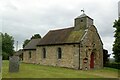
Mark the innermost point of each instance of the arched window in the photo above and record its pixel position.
(44, 53)
(59, 53)
(30, 54)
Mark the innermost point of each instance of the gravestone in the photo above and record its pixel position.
(14, 64)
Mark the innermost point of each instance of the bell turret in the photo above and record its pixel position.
(82, 22)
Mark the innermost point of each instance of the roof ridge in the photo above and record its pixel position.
(32, 44)
(83, 15)
(35, 39)
(62, 29)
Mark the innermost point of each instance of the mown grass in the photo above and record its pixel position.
(0, 75)
(39, 71)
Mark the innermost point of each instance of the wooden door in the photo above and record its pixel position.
(92, 60)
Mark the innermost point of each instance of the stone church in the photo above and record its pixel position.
(78, 47)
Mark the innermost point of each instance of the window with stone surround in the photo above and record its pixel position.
(59, 50)
(44, 53)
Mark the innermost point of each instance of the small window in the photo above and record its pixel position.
(44, 53)
(81, 20)
(30, 54)
(59, 53)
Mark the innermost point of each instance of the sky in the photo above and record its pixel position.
(24, 18)
(119, 9)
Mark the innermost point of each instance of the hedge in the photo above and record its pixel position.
(113, 65)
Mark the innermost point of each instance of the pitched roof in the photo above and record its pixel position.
(56, 36)
(75, 36)
(83, 15)
(18, 52)
(67, 35)
(61, 36)
(32, 44)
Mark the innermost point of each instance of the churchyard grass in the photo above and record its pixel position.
(39, 71)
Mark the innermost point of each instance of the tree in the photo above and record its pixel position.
(35, 36)
(26, 42)
(116, 45)
(105, 57)
(7, 46)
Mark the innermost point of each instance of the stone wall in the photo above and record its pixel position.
(91, 43)
(82, 23)
(72, 55)
(26, 58)
(69, 56)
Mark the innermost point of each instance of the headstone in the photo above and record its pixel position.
(14, 64)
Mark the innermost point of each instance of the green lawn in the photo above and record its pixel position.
(38, 71)
(0, 75)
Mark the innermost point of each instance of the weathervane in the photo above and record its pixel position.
(82, 11)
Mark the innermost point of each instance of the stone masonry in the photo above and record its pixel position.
(81, 47)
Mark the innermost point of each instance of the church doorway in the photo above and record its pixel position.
(92, 60)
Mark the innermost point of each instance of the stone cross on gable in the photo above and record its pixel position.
(82, 10)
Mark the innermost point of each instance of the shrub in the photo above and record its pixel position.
(113, 65)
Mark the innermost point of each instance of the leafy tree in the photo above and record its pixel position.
(105, 57)
(7, 45)
(26, 42)
(116, 45)
(35, 36)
